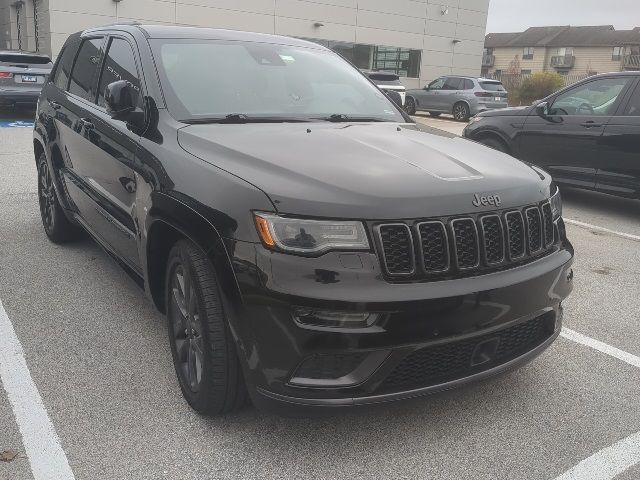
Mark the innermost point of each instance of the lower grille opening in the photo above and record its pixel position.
(450, 361)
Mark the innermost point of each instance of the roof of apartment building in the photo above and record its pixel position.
(565, 36)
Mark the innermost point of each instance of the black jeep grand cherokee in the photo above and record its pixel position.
(309, 244)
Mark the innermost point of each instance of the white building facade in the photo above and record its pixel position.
(417, 39)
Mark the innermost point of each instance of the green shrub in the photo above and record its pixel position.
(537, 86)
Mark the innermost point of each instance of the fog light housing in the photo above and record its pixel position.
(337, 370)
(328, 318)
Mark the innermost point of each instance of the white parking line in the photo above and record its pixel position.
(601, 347)
(610, 461)
(46, 457)
(602, 229)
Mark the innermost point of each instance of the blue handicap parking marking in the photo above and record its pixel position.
(16, 124)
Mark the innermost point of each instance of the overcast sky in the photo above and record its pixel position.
(518, 15)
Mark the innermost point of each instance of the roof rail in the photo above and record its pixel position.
(124, 22)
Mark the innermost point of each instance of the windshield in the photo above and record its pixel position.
(213, 79)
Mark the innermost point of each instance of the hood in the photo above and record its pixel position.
(364, 171)
(504, 112)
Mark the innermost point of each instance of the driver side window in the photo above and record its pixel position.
(598, 97)
(437, 84)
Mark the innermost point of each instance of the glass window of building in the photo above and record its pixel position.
(404, 62)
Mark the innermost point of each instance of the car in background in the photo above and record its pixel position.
(586, 135)
(459, 96)
(22, 75)
(387, 82)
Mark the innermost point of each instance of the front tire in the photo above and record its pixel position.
(410, 106)
(461, 112)
(56, 225)
(203, 350)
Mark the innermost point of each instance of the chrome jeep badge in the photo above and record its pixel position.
(486, 200)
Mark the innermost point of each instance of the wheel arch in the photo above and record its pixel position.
(176, 221)
(38, 149)
(462, 100)
(495, 135)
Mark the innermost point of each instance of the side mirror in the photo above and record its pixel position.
(118, 97)
(394, 97)
(426, 87)
(542, 109)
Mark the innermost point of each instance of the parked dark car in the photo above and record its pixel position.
(462, 97)
(22, 75)
(310, 245)
(586, 135)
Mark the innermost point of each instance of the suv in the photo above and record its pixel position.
(22, 75)
(586, 135)
(462, 97)
(309, 245)
(387, 82)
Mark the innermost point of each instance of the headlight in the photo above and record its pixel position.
(556, 205)
(310, 236)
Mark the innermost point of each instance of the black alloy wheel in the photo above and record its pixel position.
(56, 225)
(410, 106)
(186, 329)
(203, 349)
(46, 197)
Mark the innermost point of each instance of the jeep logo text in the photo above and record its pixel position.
(486, 200)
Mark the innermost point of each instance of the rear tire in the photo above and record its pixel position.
(203, 349)
(494, 143)
(410, 106)
(461, 112)
(435, 114)
(56, 225)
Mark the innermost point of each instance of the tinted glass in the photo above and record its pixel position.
(437, 84)
(468, 84)
(212, 79)
(452, 84)
(63, 70)
(119, 64)
(84, 69)
(492, 86)
(593, 98)
(633, 107)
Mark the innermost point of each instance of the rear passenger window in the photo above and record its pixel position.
(119, 64)
(84, 69)
(63, 69)
(468, 84)
(452, 84)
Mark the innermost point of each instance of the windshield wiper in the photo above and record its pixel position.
(239, 118)
(341, 117)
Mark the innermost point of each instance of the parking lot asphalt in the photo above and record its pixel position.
(98, 354)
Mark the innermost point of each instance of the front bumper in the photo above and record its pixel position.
(459, 320)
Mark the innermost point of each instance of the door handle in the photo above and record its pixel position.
(86, 123)
(590, 124)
